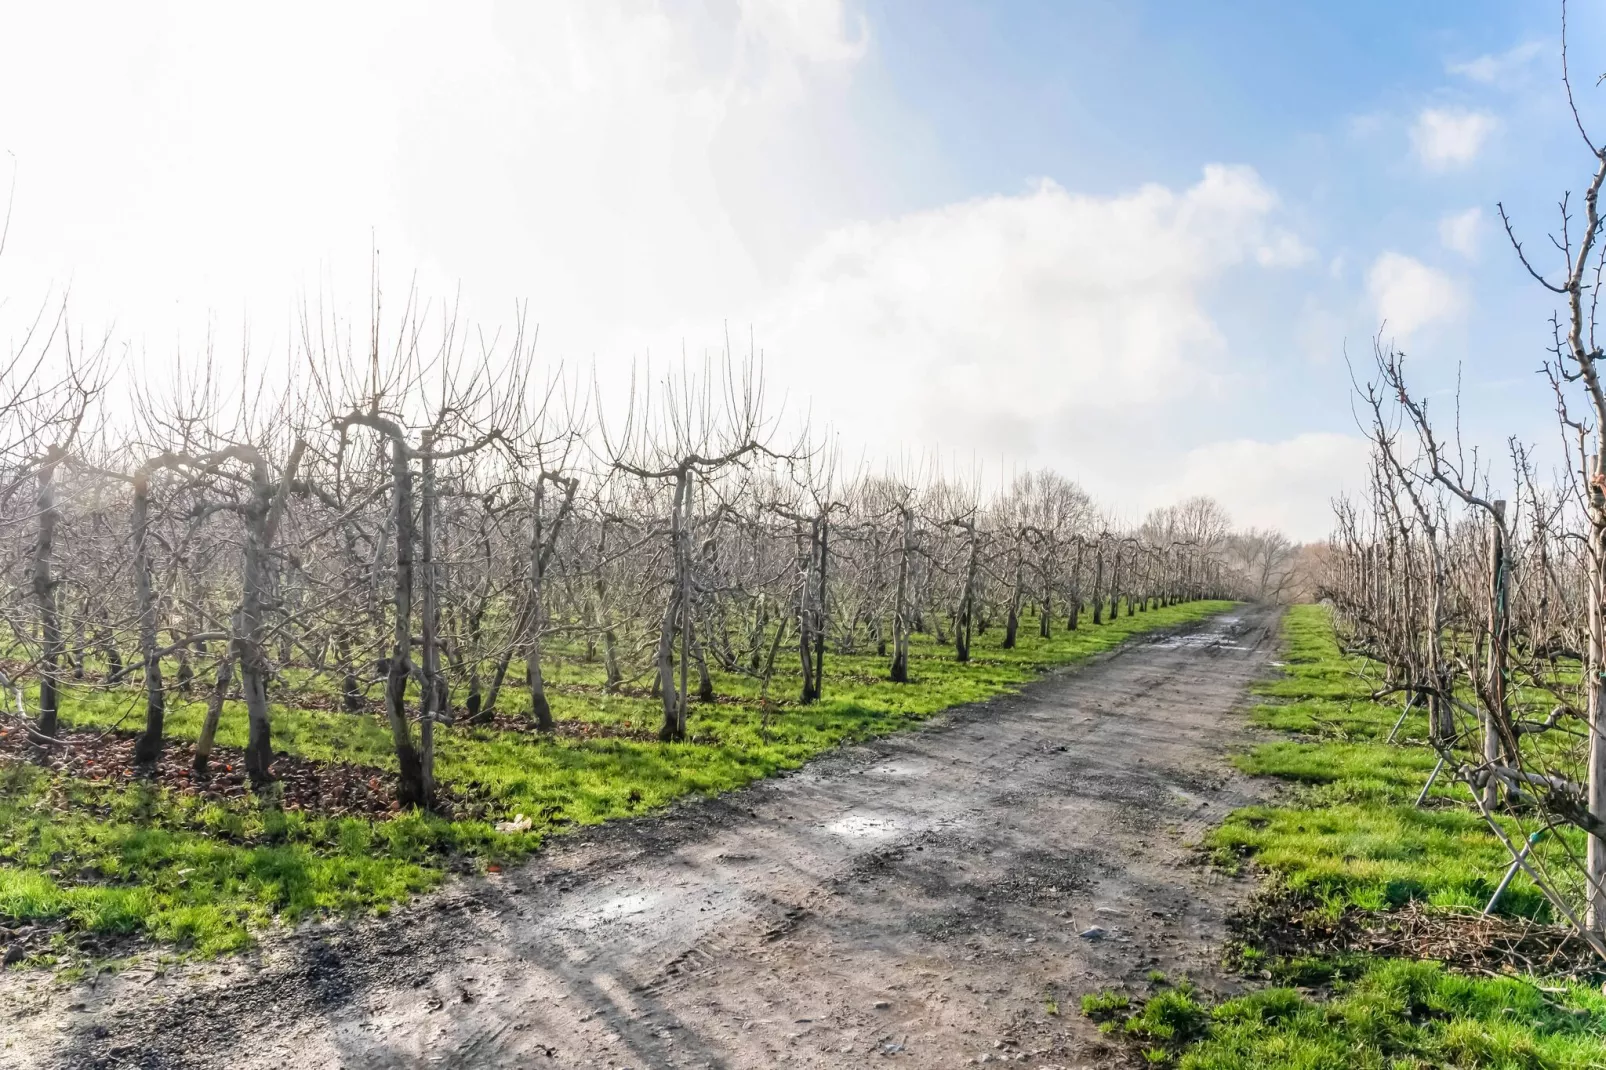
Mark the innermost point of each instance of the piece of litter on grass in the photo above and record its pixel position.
(520, 823)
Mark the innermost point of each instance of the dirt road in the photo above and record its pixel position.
(919, 901)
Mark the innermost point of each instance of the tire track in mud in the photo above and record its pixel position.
(920, 896)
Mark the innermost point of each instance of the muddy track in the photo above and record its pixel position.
(918, 899)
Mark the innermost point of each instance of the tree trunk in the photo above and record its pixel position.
(610, 642)
(214, 709)
(351, 699)
(675, 612)
(967, 601)
(429, 698)
(1098, 584)
(261, 524)
(1115, 585)
(610, 660)
(1441, 727)
(699, 653)
(820, 606)
(410, 770)
(1012, 621)
(806, 657)
(540, 708)
(44, 592)
(254, 672)
(805, 614)
(1595, 687)
(498, 675)
(1498, 640)
(148, 747)
(1076, 586)
(686, 602)
(665, 674)
(253, 659)
(900, 613)
(1045, 618)
(108, 649)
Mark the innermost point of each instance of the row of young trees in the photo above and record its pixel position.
(1481, 611)
(1487, 606)
(424, 522)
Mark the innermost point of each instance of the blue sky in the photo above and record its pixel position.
(1317, 98)
(1320, 100)
(1132, 241)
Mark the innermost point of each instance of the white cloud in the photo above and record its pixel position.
(1461, 231)
(1446, 138)
(1408, 295)
(1005, 323)
(820, 31)
(1287, 485)
(1503, 69)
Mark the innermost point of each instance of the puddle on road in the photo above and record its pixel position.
(1216, 635)
(612, 910)
(901, 769)
(864, 827)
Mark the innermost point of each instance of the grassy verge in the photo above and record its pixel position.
(92, 864)
(1390, 1015)
(1348, 852)
(1349, 834)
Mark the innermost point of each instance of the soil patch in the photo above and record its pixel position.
(1285, 924)
(332, 789)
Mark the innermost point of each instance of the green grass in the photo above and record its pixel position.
(91, 858)
(1347, 832)
(1346, 835)
(129, 860)
(1395, 1015)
